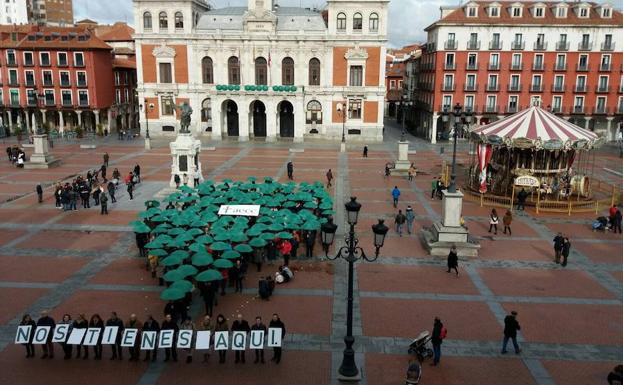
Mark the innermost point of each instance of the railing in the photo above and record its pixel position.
(493, 87)
(600, 110)
(450, 45)
(607, 46)
(560, 67)
(536, 87)
(540, 46)
(493, 66)
(449, 66)
(538, 67)
(585, 46)
(516, 66)
(557, 110)
(491, 109)
(472, 44)
(562, 46)
(602, 89)
(514, 87)
(518, 45)
(471, 67)
(470, 87)
(577, 110)
(580, 88)
(558, 88)
(495, 45)
(511, 109)
(447, 87)
(582, 68)
(605, 67)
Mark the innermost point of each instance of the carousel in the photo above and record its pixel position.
(535, 150)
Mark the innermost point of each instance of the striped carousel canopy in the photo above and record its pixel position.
(536, 128)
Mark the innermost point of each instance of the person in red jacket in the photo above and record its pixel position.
(285, 248)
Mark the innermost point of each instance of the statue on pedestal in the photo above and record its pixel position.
(186, 112)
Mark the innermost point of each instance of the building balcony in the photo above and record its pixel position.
(515, 66)
(29, 64)
(605, 67)
(558, 88)
(607, 46)
(79, 64)
(585, 46)
(65, 84)
(66, 103)
(495, 45)
(562, 46)
(601, 110)
(493, 87)
(560, 67)
(536, 87)
(494, 66)
(538, 67)
(13, 83)
(11, 63)
(511, 109)
(450, 45)
(45, 64)
(83, 104)
(582, 68)
(577, 110)
(48, 84)
(447, 87)
(602, 89)
(540, 45)
(81, 84)
(473, 45)
(491, 109)
(449, 66)
(14, 103)
(580, 88)
(471, 67)
(518, 45)
(470, 87)
(30, 83)
(50, 103)
(556, 110)
(514, 87)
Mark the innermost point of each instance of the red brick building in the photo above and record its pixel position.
(395, 75)
(497, 58)
(56, 77)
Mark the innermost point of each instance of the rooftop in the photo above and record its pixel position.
(37, 37)
(288, 19)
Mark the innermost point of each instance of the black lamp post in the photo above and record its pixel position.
(460, 117)
(404, 104)
(39, 100)
(351, 252)
(341, 108)
(151, 107)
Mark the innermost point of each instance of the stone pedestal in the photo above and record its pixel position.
(185, 153)
(147, 144)
(439, 238)
(342, 147)
(402, 164)
(41, 157)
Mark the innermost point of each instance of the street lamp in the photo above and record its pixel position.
(39, 100)
(351, 252)
(341, 109)
(460, 117)
(151, 107)
(404, 104)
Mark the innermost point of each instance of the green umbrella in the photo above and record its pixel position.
(328, 212)
(310, 225)
(163, 238)
(182, 285)
(176, 231)
(159, 218)
(172, 294)
(209, 217)
(187, 190)
(171, 261)
(197, 247)
(223, 235)
(184, 237)
(239, 237)
(158, 252)
(230, 254)
(262, 220)
(284, 235)
(198, 223)
(173, 275)
(310, 205)
(325, 206)
(220, 246)
(275, 227)
(223, 264)
(202, 259)
(243, 248)
(136, 223)
(141, 229)
(182, 254)
(289, 204)
(194, 232)
(257, 242)
(152, 203)
(267, 236)
(177, 243)
(204, 239)
(187, 270)
(209, 275)
(154, 245)
(254, 232)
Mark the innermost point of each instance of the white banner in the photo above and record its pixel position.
(128, 339)
(203, 340)
(60, 333)
(93, 335)
(110, 335)
(246, 210)
(41, 335)
(238, 340)
(76, 336)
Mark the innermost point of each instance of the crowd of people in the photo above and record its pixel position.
(171, 321)
(16, 155)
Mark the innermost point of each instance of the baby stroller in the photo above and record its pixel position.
(601, 224)
(422, 346)
(414, 373)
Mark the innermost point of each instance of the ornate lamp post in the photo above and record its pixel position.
(148, 108)
(351, 252)
(460, 118)
(341, 109)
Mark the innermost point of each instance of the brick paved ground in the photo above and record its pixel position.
(81, 262)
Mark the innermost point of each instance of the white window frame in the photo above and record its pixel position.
(19, 97)
(14, 55)
(71, 96)
(575, 99)
(493, 76)
(606, 13)
(495, 101)
(13, 70)
(83, 60)
(118, 96)
(497, 56)
(87, 93)
(516, 12)
(537, 76)
(496, 13)
(584, 13)
(60, 78)
(604, 98)
(536, 12)
(517, 76)
(471, 11)
(577, 80)
(468, 75)
(554, 98)
(516, 101)
(34, 79)
(58, 59)
(45, 93)
(41, 59)
(352, 101)
(163, 61)
(443, 98)
(473, 98)
(32, 55)
(392, 84)
(559, 76)
(445, 76)
(43, 72)
(561, 12)
(86, 81)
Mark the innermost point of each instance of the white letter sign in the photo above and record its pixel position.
(203, 340)
(41, 335)
(148, 342)
(76, 336)
(238, 340)
(93, 334)
(184, 339)
(246, 210)
(166, 339)
(274, 337)
(257, 339)
(128, 339)
(60, 333)
(221, 340)
(23, 334)
(110, 335)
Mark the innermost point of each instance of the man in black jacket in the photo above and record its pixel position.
(511, 326)
(240, 325)
(436, 340)
(558, 243)
(116, 347)
(170, 324)
(151, 325)
(258, 325)
(48, 347)
(39, 190)
(277, 323)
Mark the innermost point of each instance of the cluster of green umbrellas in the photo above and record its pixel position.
(189, 253)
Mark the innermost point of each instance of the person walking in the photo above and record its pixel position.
(285, 248)
(170, 324)
(329, 178)
(240, 325)
(30, 348)
(365, 151)
(67, 348)
(493, 221)
(239, 271)
(197, 177)
(137, 173)
(558, 243)
(410, 216)
(130, 188)
(566, 248)
(453, 260)
(73, 197)
(207, 325)
(310, 241)
(106, 158)
(400, 221)
(116, 347)
(81, 323)
(47, 346)
(412, 172)
(39, 191)
(521, 199)
(85, 195)
(151, 325)
(177, 180)
(221, 326)
(511, 326)
(258, 325)
(98, 323)
(277, 323)
(290, 169)
(103, 172)
(433, 187)
(104, 203)
(439, 333)
(395, 196)
(617, 221)
(135, 350)
(507, 220)
(111, 191)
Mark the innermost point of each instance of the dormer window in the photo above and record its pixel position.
(606, 12)
(583, 12)
(561, 12)
(494, 12)
(516, 12)
(539, 12)
(471, 12)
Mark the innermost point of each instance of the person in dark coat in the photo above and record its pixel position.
(111, 191)
(97, 322)
(141, 240)
(453, 260)
(617, 222)
(616, 375)
(558, 243)
(67, 348)
(106, 159)
(48, 346)
(151, 325)
(290, 168)
(134, 323)
(239, 271)
(263, 289)
(511, 326)
(137, 173)
(177, 180)
(170, 324)
(240, 325)
(221, 326)
(39, 191)
(258, 325)
(81, 323)
(85, 195)
(103, 172)
(103, 203)
(130, 188)
(521, 199)
(365, 151)
(566, 248)
(310, 240)
(30, 348)
(277, 323)
(436, 340)
(116, 347)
